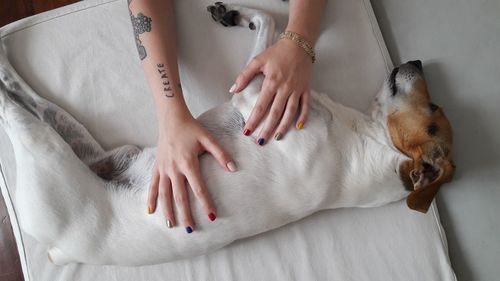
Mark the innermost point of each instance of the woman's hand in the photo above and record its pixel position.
(180, 143)
(285, 90)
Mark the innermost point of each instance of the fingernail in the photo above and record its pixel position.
(231, 90)
(261, 141)
(189, 229)
(211, 216)
(231, 166)
(169, 223)
(278, 136)
(246, 132)
(300, 125)
(149, 210)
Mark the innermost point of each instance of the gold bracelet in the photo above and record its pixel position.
(295, 37)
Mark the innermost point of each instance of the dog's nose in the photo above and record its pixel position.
(417, 64)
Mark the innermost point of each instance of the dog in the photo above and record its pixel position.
(88, 204)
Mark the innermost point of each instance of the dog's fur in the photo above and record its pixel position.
(88, 204)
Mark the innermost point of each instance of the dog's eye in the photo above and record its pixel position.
(432, 129)
(433, 107)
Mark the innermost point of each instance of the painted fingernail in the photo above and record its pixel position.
(211, 216)
(149, 211)
(189, 229)
(300, 125)
(231, 166)
(231, 90)
(261, 141)
(169, 223)
(278, 136)
(246, 132)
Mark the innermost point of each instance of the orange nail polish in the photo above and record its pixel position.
(300, 125)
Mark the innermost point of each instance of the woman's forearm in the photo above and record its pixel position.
(154, 30)
(305, 18)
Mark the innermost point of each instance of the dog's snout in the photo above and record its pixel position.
(417, 64)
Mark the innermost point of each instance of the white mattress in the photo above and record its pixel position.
(83, 58)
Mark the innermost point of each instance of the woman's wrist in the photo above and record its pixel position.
(173, 112)
(294, 50)
(304, 32)
(299, 41)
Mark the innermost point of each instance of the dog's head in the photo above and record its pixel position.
(420, 130)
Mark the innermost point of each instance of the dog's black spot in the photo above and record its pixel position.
(15, 93)
(433, 107)
(432, 129)
(392, 81)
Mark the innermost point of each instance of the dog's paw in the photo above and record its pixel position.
(220, 14)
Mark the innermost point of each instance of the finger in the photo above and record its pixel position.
(200, 190)
(246, 75)
(260, 109)
(292, 106)
(166, 199)
(153, 191)
(274, 116)
(304, 110)
(181, 199)
(213, 147)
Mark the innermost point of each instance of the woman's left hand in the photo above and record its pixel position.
(285, 91)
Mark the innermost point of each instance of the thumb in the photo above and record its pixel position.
(246, 75)
(214, 148)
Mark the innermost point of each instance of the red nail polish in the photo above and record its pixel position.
(246, 132)
(211, 216)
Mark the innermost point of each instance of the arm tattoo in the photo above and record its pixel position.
(167, 90)
(141, 24)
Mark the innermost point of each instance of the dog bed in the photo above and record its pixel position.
(83, 58)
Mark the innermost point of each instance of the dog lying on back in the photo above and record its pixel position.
(88, 204)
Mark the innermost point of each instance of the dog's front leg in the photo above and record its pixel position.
(264, 25)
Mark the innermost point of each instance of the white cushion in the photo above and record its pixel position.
(83, 58)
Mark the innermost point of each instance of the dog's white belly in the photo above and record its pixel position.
(275, 184)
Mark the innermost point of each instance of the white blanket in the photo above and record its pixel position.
(83, 58)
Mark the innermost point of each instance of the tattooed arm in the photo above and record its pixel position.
(181, 137)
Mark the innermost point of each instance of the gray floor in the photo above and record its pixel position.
(459, 43)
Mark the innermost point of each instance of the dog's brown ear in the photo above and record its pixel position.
(425, 175)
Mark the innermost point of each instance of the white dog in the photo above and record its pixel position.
(88, 204)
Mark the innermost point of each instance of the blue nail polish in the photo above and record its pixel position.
(261, 141)
(189, 229)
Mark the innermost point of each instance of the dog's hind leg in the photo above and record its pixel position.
(104, 163)
(54, 187)
(73, 133)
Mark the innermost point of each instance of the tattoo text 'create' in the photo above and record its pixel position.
(167, 90)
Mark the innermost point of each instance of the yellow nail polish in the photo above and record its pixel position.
(300, 125)
(149, 210)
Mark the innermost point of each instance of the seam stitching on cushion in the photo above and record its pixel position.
(52, 18)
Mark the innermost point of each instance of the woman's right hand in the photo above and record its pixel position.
(181, 142)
